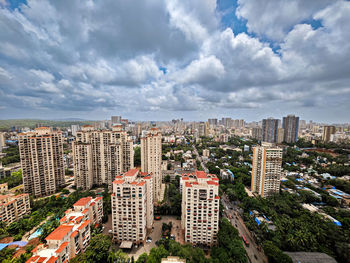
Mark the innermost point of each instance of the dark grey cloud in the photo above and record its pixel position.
(94, 58)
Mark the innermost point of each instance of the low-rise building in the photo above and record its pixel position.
(171, 259)
(73, 235)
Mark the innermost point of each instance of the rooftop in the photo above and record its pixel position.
(60, 232)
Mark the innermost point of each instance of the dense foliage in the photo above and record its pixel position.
(14, 180)
(12, 155)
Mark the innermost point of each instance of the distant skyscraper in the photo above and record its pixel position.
(151, 159)
(327, 132)
(257, 133)
(42, 161)
(266, 171)
(2, 141)
(269, 130)
(280, 135)
(74, 129)
(116, 119)
(291, 128)
(99, 156)
(213, 122)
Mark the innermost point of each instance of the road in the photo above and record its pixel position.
(200, 159)
(255, 254)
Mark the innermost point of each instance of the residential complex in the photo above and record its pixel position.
(100, 155)
(291, 128)
(328, 131)
(267, 169)
(269, 130)
(200, 207)
(42, 161)
(73, 235)
(151, 159)
(12, 207)
(132, 207)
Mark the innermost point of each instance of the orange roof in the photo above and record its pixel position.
(131, 172)
(74, 233)
(215, 178)
(185, 178)
(63, 219)
(212, 183)
(118, 177)
(201, 174)
(98, 198)
(62, 246)
(60, 232)
(118, 181)
(32, 259)
(134, 183)
(187, 184)
(85, 210)
(83, 201)
(52, 259)
(78, 219)
(84, 224)
(143, 173)
(141, 183)
(41, 259)
(147, 177)
(217, 197)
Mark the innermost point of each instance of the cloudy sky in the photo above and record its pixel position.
(158, 60)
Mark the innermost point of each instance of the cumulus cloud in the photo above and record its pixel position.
(172, 56)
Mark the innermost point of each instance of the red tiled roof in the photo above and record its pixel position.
(187, 184)
(201, 174)
(32, 259)
(118, 181)
(84, 224)
(85, 210)
(185, 178)
(141, 183)
(98, 198)
(147, 177)
(131, 172)
(217, 197)
(83, 201)
(62, 246)
(41, 259)
(118, 177)
(59, 233)
(74, 233)
(134, 183)
(52, 259)
(212, 183)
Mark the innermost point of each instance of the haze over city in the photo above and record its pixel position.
(168, 59)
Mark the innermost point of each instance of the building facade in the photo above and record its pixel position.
(257, 133)
(291, 128)
(100, 155)
(42, 161)
(327, 132)
(269, 130)
(151, 159)
(73, 235)
(13, 207)
(267, 169)
(200, 207)
(132, 207)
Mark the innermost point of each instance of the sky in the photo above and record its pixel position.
(159, 60)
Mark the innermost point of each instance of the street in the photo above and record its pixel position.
(200, 159)
(254, 254)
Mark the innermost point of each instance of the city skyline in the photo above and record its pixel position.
(195, 60)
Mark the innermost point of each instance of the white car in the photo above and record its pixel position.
(110, 231)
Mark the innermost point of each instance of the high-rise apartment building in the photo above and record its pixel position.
(291, 128)
(280, 135)
(116, 119)
(257, 133)
(327, 132)
(267, 169)
(132, 207)
(42, 161)
(100, 155)
(73, 235)
(213, 122)
(200, 207)
(151, 159)
(2, 141)
(269, 130)
(13, 207)
(75, 128)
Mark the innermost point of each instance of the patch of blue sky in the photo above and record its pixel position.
(15, 4)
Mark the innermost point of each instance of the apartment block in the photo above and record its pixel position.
(132, 207)
(200, 207)
(73, 235)
(267, 169)
(151, 159)
(100, 155)
(327, 133)
(257, 133)
(291, 128)
(42, 161)
(2, 141)
(13, 207)
(269, 130)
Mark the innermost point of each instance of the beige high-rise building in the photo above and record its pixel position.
(327, 132)
(132, 207)
(100, 155)
(2, 141)
(200, 207)
(42, 161)
(280, 135)
(267, 169)
(151, 159)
